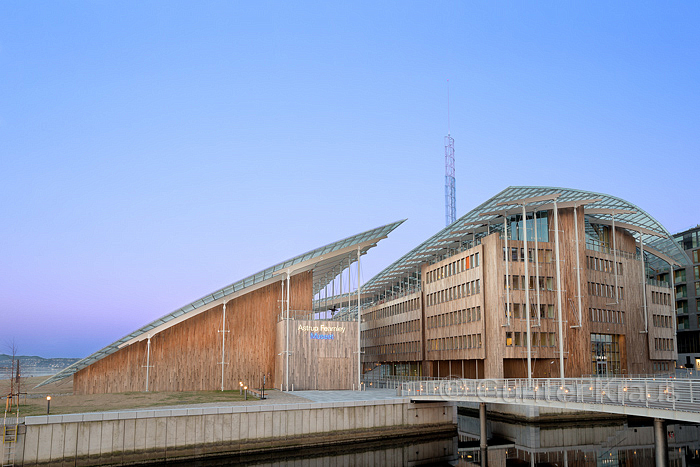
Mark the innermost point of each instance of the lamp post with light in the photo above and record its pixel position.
(48, 405)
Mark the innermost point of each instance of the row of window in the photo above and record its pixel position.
(662, 366)
(607, 316)
(517, 310)
(539, 339)
(689, 240)
(661, 321)
(661, 343)
(544, 255)
(682, 290)
(518, 282)
(453, 293)
(605, 290)
(455, 267)
(401, 347)
(469, 341)
(391, 310)
(660, 298)
(456, 317)
(604, 265)
(680, 275)
(393, 329)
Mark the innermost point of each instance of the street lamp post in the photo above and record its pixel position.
(48, 405)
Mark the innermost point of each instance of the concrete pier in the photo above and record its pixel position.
(660, 443)
(482, 426)
(118, 438)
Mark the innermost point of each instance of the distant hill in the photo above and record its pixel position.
(33, 365)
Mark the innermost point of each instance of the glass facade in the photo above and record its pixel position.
(679, 276)
(516, 229)
(689, 240)
(605, 354)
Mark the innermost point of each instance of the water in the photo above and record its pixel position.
(556, 443)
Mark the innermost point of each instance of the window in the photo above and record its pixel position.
(679, 275)
(681, 290)
(696, 256)
(509, 339)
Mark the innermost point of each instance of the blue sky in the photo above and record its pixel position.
(152, 152)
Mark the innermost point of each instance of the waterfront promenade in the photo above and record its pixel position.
(304, 419)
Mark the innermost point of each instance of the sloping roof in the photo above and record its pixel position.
(328, 257)
(661, 240)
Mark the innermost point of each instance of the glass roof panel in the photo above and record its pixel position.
(375, 234)
(639, 218)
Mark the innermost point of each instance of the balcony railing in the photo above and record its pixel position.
(656, 283)
(599, 247)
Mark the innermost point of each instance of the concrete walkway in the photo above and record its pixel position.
(276, 397)
(349, 396)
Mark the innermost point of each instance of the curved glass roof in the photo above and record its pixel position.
(653, 233)
(329, 257)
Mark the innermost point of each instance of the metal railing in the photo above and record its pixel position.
(593, 394)
(657, 283)
(602, 248)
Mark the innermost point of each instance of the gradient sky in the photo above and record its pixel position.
(153, 152)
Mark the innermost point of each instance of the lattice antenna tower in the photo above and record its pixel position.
(450, 196)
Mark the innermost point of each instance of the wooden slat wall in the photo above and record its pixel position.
(463, 303)
(186, 356)
(318, 364)
(399, 318)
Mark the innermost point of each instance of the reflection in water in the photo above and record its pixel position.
(411, 451)
(609, 443)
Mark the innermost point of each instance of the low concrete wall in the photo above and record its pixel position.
(151, 435)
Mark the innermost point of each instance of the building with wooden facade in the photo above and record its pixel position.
(263, 326)
(536, 281)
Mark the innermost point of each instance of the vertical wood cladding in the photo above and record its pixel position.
(504, 350)
(186, 356)
(317, 361)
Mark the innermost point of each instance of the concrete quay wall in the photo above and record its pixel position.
(132, 437)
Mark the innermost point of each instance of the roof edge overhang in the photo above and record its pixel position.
(301, 263)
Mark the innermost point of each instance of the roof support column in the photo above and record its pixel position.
(537, 271)
(674, 314)
(578, 270)
(349, 284)
(148, 361)
(644, 285)
(223, 345)
(527, 296)
(359, 321)
(286, 352)
(505, 230)
(617, 296)
(560, 324)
